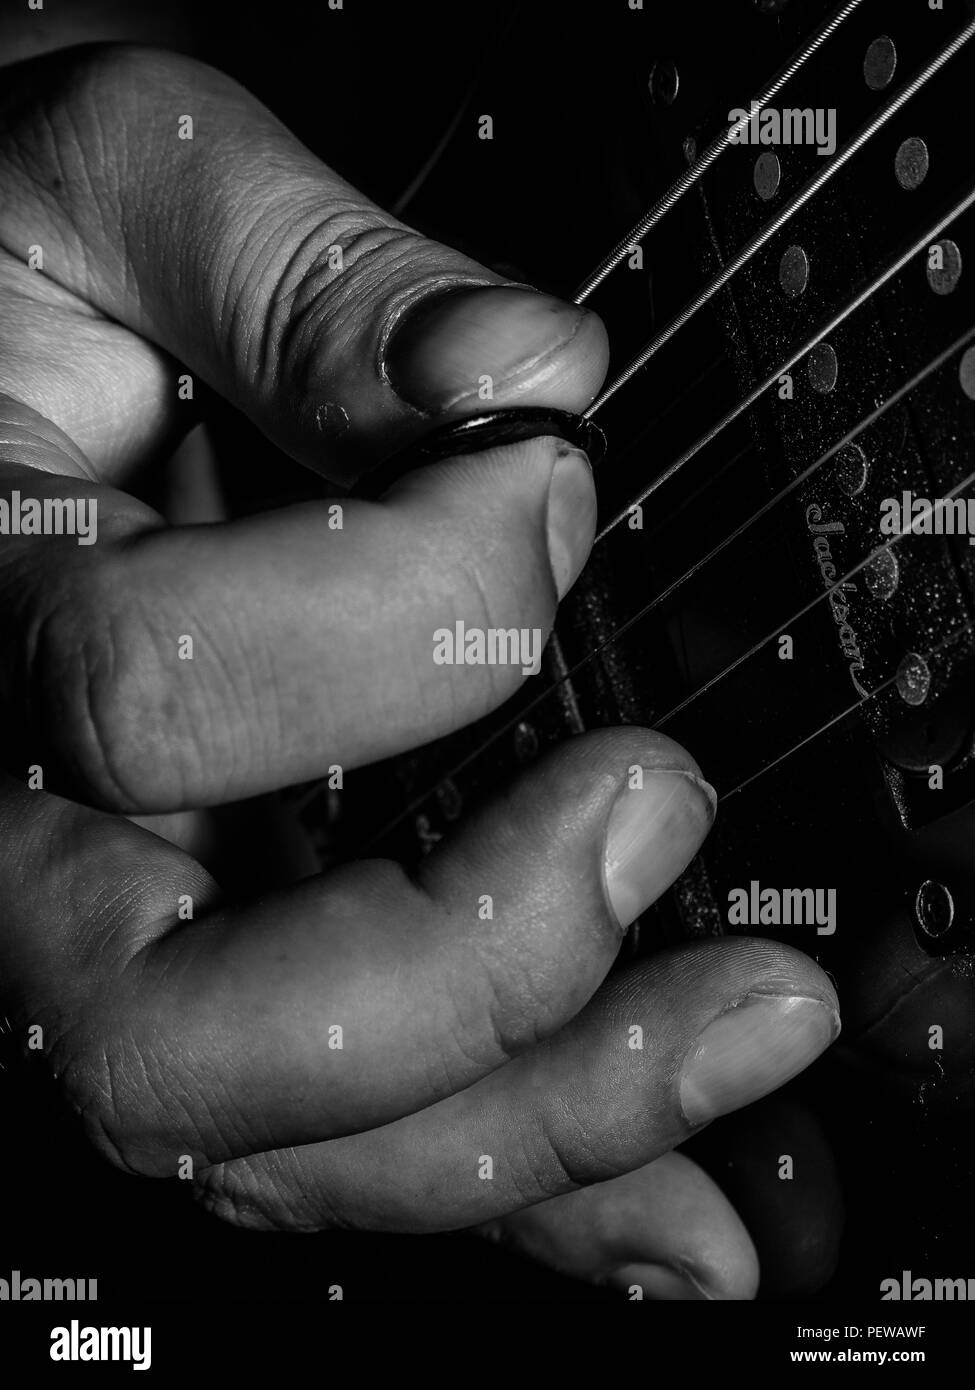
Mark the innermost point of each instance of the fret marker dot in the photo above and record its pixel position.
(882, 574)
(850, 470)
(768, 172)
(880, 63)
(823, 368)
(911, 163)
(794, 271)
(664, 82)
(913, 679)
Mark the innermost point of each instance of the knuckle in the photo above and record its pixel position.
(97, 696)
(475, 1039)
(492, 596)
(513, 1009)
(75, 693)
(335, 275)
(569, 1154)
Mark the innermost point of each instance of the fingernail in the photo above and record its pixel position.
(653, 834)
(751, 1049)
(571, 518)
(444, 349)
(658, 1282)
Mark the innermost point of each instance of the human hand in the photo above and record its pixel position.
(212, 1039)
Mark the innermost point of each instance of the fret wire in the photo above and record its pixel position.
(705, 160)
(837, 719)
(765, 234)
(748, 401)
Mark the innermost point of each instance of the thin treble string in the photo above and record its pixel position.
(568, 674)
(701, 165)
(805, 475)
(838, 718)
(813, 603)
(765, 234)
(624, 627)
(701, 443)
(737, 410)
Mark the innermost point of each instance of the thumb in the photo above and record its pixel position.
(172, 201)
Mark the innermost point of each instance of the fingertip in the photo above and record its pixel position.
(530, 502)
(571, 516)
(732, 1278)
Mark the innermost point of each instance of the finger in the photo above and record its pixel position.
(226, 243)
(346, 1000)
(721, 1024)
(158, 668)
(664, 1231)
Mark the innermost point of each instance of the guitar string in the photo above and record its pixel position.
(490, 51)
(417, 802)
(807, 473)
(864, 424)
(808, 607)
(704, 161)
(765, 234)
(824, 331)
(701, 443)
(750, 249)
(861, 298)
(838, 718)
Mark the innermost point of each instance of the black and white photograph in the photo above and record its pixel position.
(487, 682)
